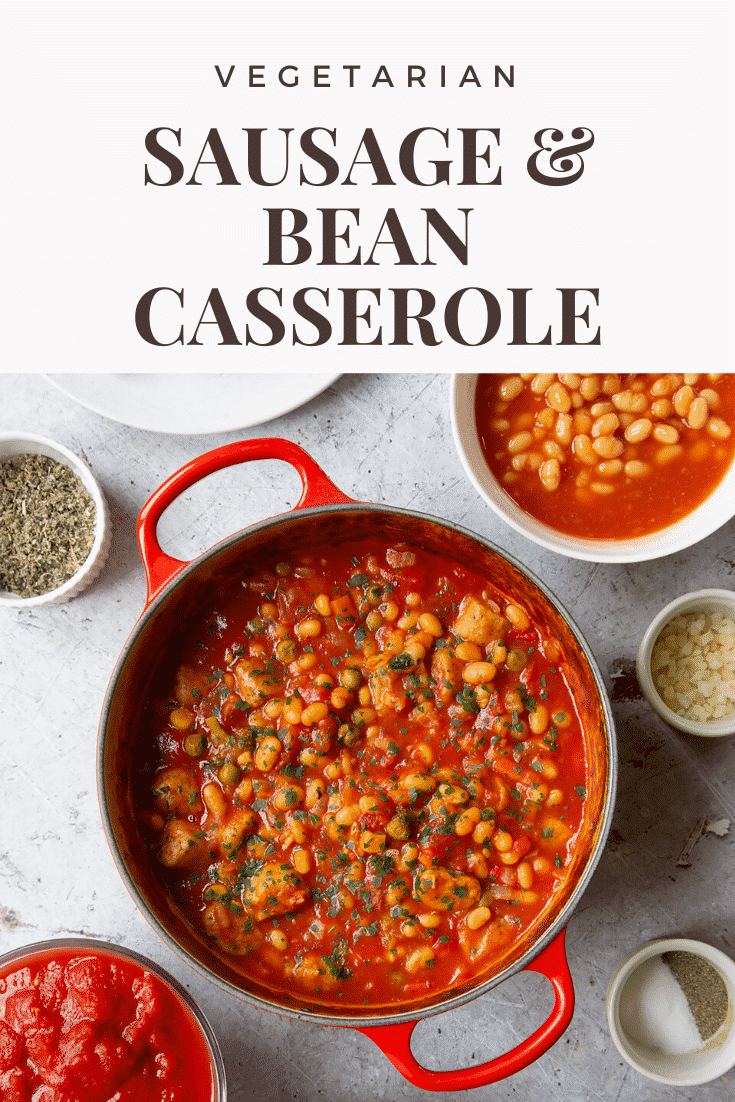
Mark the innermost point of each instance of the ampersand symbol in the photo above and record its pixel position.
(553, 165)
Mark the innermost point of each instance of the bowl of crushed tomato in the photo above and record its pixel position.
(81, 1019)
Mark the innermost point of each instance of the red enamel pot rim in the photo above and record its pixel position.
(323, 511)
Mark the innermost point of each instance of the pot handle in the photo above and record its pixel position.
(395, 1040)
(160, 568)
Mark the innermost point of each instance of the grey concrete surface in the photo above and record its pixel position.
(384, 438)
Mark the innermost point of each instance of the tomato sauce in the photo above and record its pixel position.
(88, 1026)
(361, 775)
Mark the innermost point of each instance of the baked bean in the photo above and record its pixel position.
(483, 832)
(517, 617)
(478, 917)
(601, 409)
(278, 940)
(290, 796)
(698, 413)
(691, 379)
(718, 428)
(564, 429)
(215, 801)
(430, 921)
(553, 450)
(571, 380)
(502, 841)
(468, 652)
(699, 451)
(309, 629)
(431, 623)
(301, 861)
(538, 721)
(292, 712)
(683, 398)
(623, 400)
(550, 474)
(420, 781)
(466, 821)
(582, 421)
(510, 388)
(589, 388)
(314, 791)
(661, 408)
(666, 385)
(544, 420)
(638, 431)
(390, 611)
(610, 467)
(518, 462)
(266, 753)
(602, 488)
(665, 434)
(608, 447)
(314, 712)
(610, 384)
(711, 397)
(667, 454)
(534, 461)
(582, 447)
(181, 718)
(634, 468)
(520, 442)
(558, 398)
(605, 425)
(524, 873)
(541, 383)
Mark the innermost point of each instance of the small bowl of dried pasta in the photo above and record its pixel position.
(686, 663)
(54, 522)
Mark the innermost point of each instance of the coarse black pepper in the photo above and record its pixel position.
(704, 988)
(47, 524)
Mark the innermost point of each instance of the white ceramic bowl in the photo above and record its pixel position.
(704, 600)
(710, 1060)
(718, 508)
(28, 443)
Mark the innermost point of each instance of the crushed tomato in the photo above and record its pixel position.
(81, 1026)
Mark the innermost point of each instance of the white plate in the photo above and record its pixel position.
(191, 404)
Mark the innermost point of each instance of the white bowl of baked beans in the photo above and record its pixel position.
(607, 468)
(686, 663)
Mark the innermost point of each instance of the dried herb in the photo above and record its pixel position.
(47, 523)
(704, 988)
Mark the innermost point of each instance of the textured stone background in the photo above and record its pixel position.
(383, 438)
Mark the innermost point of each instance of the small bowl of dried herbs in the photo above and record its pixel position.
(54, 522)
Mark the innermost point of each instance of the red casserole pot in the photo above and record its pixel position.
(177, 589)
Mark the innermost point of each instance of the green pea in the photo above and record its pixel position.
(350, 678)
(195, 744)
(229, 774)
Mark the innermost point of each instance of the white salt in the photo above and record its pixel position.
(654, 1011)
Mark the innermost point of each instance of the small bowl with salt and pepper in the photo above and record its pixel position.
(671, 1012)
(54, 522)
(686, 663)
